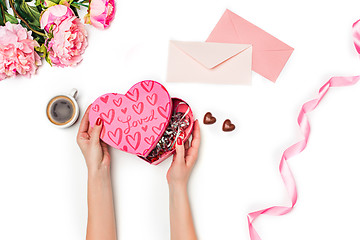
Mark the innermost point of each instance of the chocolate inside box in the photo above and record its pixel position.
(180, 126)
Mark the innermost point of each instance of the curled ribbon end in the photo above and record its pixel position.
(298, 147)
(356, 35)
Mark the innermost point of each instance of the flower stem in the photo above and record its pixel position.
(18, 15)
(81, 4)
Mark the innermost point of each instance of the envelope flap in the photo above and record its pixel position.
(250, 33)
(209, 54)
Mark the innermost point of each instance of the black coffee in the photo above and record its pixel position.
(61, 110)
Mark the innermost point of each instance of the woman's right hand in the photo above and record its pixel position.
(184, 160)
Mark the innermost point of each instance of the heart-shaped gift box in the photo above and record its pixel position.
(145, 121)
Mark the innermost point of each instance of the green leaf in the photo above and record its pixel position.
(75, 6)
(2, 18)
(74, 10)
(47, 58)
(11, 18)
(3, 3)
(39, 9)
(29, 13)
(78, 5)
(2, 13)
(43, 52)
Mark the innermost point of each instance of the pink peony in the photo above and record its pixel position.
(17, 54)
(53, 14)
(69, 36)
(101, 13)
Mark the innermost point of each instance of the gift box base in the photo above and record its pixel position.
(181, 106)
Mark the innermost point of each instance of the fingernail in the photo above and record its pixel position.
(179, 141)
(98, 121)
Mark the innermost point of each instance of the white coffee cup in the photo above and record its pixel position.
(63, 110)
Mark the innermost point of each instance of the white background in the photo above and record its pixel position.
(43, 174)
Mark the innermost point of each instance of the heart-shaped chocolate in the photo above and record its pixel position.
(133, 122)
(209, 119)
(228, 126)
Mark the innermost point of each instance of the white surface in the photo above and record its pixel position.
(43, 174)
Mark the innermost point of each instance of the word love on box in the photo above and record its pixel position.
(145, 121)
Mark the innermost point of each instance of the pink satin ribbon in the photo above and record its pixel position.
(298, 147)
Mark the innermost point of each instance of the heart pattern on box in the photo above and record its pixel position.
(133, 122)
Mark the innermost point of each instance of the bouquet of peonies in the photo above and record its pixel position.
(50, 29)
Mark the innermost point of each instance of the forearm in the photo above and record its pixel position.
(101, 215)
(181, 221)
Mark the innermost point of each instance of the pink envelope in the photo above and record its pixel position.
(269, 53)
(204, 62)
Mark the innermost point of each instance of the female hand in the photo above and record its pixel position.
(95, 151)
(184, 160)
(101, 213)
(181, 222)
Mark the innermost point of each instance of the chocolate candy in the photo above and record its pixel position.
(209, 119)
(228, 126)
